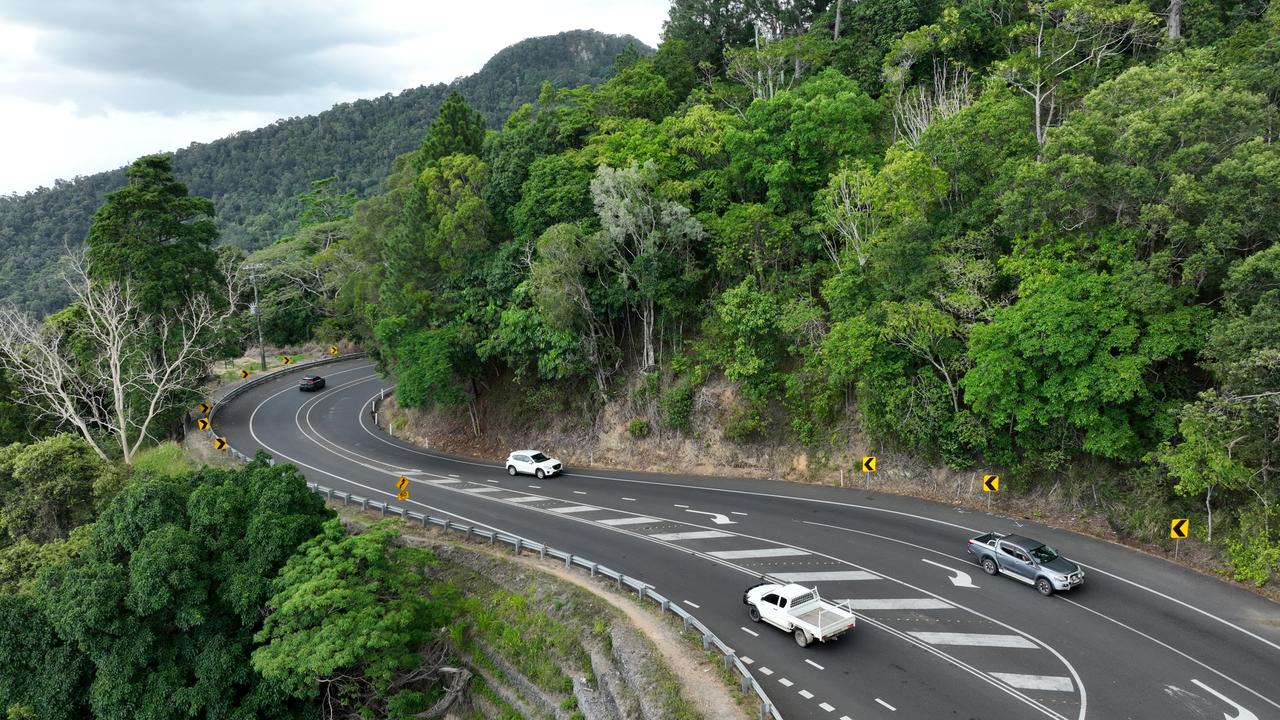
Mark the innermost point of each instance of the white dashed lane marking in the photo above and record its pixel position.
(814, 664)
(629, 499)
(574, 509)
(974, 639)
(785, 682)
(579, 492)
(746, 660)
(1036, 682)
(734, 512)
(892, 708)
(805, 694)
(765, 670)
(826, 707)
(752, 633)
(692, 604)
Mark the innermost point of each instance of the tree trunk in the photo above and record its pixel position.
(835, 35)
(646, 332)
(1209, 507)
(1175, 19)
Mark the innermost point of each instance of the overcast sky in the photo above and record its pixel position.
(90, 85)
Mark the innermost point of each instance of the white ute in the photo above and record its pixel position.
(798, 610)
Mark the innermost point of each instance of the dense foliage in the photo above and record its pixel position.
(1038, 237)
(253, 176)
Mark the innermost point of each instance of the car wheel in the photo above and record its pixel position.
(539, 473)
(802, 637)
(1044, 586)
(989, 566)
(753, 612)
(511, 469)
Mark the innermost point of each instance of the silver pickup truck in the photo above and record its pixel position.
(798, 610)
(1026, 560)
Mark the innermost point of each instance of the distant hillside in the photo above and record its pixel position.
(252, 176)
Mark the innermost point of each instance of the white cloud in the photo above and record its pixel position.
(88, 86)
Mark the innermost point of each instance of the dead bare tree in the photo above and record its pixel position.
(126, 369)
(914, 110)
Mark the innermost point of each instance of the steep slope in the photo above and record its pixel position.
(252, 176)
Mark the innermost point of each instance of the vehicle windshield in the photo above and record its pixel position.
(539, 457)
(1044, 554)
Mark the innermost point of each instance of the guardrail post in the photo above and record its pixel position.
(746, 684)
(568, 561)
(542, 552)
(621, 578)
(383, 512)
(470, 530)
(328, 493)
(593, 569)
(364, 503)
(346, 499)
(424, 520)
(642, 588)
(765, 711)
(686, 622)
(728, 660)
(706, 641)
(517, 546)
(446, 525)
(493, 537)
(666, 605)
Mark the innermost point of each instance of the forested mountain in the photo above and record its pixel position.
(253, 176)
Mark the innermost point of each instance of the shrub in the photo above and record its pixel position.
(639, 429)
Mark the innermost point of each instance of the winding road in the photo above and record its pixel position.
(936, 638)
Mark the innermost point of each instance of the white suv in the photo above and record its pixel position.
(532, 462)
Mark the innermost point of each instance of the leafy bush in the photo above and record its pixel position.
(639, 429)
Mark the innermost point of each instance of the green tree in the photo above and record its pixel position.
(156, 237)
(348, 619)
(48, 488)
(457, 130)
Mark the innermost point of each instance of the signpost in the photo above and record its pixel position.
(1179, 528)
(990, 484)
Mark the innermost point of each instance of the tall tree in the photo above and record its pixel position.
(156, 237)
(457, 129)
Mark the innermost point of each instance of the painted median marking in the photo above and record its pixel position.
(698, 535)
(574, 509)
(757, 553)
(1036, 682)
(897, 604)
(825, 576)
(525, 499)
(627, 521)
(974, 639)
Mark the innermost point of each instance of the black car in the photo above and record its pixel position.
(311, 382)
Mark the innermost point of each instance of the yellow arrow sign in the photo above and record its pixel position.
(286, 359)
(990, 483)
(204, 408)
(333, 349)
(402, 484)
(220, 443)
(1179, 527)
(203, 423)
(244, 374)
(869, 463)
(402, 495)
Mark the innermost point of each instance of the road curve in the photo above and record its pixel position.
(936, 638)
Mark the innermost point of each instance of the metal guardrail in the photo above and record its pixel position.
(520, 544)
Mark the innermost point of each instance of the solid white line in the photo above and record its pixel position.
(634, 520)
(764, 670)
(574, 508)
(698, 535)
(785, 682)
(894, 709)
(805, 694)
(814, 664)
(896, 604)
(826, 707)
(692, 604)
(974, 639)
(826, 576)
(525, 499)
(757, 553)
(481, 490)
(1056, 683)
(752, 633)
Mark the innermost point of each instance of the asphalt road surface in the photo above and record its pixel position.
(936, 638)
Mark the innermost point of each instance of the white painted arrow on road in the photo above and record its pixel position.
(959, 579)
(716, 518)
(1242, 713)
